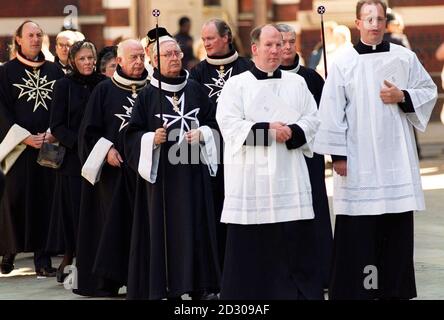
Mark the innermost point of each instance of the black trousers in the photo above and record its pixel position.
(373, 257)
(41, 260)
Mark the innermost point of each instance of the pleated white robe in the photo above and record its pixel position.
(382, 163)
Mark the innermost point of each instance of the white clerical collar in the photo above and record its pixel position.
(373, 46)
(168, 86)
(294, 67)
(128, 82)
(32, 63)
(222, 61)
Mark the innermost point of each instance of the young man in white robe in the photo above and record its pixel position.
(374, 95)
(268, 121)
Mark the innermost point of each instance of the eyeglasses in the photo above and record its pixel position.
(63, 45)
(170, 54)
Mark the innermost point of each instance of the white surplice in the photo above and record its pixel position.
(382, 163)
(265, 184)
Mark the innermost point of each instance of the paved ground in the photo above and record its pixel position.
(429, 239)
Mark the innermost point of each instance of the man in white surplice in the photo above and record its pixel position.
(375, 93)
(268, 121)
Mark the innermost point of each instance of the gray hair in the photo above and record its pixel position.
(154, 49)
(122, 44)
(70, 35)
(282, 27)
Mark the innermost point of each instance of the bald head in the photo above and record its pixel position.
(131, 57)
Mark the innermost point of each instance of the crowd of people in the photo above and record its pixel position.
(211, 182)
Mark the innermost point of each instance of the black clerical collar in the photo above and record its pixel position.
(230, 57)
(362, 48)
(124, 82)
(170, 84)
(294, 67)
(261, 75)
(34, 64)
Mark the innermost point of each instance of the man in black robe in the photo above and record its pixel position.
(26, 85)
(106, 207)
(177, 255)
(315, 165)
(221, 63)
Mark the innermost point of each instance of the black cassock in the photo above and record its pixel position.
(25, 101)
(71, 95)
(316, 170)
(106, 209)
(212, 73)
(191, 239)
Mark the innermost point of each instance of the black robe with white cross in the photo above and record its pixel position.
(25, 102)
(212, 73)
(106, 208)
(316, 170)
(190, 226)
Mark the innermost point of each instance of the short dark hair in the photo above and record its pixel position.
(105, 55)
(19, 31)
(255, 34)
(223, 29)
(183, 21)
(362, 2)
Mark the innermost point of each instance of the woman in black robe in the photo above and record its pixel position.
(71, 95)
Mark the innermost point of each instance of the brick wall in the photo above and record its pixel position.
(23, 9)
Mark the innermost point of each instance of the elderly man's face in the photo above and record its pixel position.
(170, 59)
(31, 40)
(132, 60)
(289, 46)
(267, 52)
(62, 48)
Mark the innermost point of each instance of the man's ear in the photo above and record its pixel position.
(119, 60)
(358, 24)
(254, 49)
(155, 60)
(19, 40)
(226, 41)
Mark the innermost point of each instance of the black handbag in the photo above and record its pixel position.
(51, 155)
